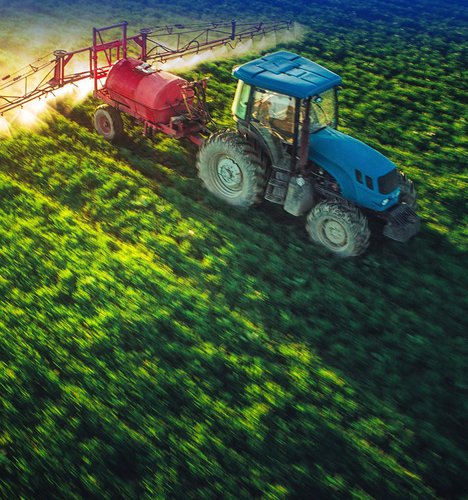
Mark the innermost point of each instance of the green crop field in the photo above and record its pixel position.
(155, 343)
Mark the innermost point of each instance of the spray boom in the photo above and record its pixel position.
(157, 44)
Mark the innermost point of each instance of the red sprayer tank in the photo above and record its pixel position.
(149, 94)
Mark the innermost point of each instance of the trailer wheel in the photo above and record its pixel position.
(408, 194)
(340, 227)
(233, 169)
(108, 122)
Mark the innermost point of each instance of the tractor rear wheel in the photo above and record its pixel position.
(108, 122)
(340, 227)
(408, 194)
(232, 169)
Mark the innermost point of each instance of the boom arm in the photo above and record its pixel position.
(159, 44)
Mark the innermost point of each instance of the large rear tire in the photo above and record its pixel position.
(340, 227)
(108, 123)
(233, 169)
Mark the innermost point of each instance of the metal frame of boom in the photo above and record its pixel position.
(51, 74)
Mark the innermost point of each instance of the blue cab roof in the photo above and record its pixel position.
(287, 73)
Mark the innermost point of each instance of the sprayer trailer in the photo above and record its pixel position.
(286, 148)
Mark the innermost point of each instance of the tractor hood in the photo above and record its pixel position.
(348, 153)
(341, 155)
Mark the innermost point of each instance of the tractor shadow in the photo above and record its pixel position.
(390, 321)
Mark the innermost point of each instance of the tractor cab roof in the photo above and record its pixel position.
(287, 73)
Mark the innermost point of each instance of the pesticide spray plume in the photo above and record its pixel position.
(255, 46)
(5, 130)
(28, 117)
(32, 115)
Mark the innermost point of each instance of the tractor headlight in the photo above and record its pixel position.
(385, 201)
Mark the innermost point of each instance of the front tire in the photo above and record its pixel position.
(108, 123)
(233, 169)
(340, 227)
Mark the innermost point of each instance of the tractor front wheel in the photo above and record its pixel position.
(340, 227)
(232, 169)
(108, 123)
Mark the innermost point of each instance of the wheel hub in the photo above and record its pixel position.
(104, 123)
(334, 232)
(229, 173)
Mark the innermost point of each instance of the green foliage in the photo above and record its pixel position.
(155, 343)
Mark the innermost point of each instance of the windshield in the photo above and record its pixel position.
(323, 111)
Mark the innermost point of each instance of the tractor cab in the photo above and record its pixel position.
(283, 91)
(277, 112)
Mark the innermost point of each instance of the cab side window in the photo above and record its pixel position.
(239, 105)
(275, 111)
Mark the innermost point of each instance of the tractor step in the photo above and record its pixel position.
(277, 186)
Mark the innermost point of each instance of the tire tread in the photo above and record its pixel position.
(351, 216)
(248, 153)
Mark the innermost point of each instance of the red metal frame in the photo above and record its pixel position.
(150, 46)
(56, 68)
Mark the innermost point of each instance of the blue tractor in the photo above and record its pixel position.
(287, 150)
